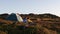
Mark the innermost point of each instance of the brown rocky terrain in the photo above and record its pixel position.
(45, 24)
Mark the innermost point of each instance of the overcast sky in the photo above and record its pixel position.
(30, 6)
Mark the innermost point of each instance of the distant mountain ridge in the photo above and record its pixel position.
(46, 15)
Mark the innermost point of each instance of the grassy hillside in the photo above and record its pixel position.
(41, 25)
(39, 28)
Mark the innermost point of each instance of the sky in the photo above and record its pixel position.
(30, 6)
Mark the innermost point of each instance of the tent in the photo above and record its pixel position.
(19, 18)
(14, 17)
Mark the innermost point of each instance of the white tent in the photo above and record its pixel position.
(14, 17)
(19, 18)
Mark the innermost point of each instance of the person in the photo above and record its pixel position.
(25, 20)
(28, 19)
